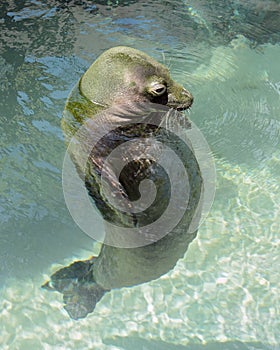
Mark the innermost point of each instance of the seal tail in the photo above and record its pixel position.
(82, 299)
(80, 292)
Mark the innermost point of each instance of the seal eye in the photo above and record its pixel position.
(157, 89)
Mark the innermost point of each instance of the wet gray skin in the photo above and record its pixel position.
(121, 83)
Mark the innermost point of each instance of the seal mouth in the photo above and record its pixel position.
(183, 107)
(180, 107)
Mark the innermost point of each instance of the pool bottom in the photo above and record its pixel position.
(222, 295)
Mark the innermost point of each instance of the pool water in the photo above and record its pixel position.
(224, 294)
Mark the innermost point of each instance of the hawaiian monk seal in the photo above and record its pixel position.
(121, 85)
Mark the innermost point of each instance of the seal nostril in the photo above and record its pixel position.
(187, 94)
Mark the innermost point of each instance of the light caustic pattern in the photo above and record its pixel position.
(151, 141)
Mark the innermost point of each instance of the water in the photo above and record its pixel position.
(225, 293)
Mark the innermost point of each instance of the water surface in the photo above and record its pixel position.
(225, 293)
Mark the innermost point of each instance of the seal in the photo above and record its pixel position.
(122, 84)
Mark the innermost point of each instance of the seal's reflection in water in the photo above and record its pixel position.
(117, 150)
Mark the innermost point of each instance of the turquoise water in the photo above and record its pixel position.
(224, 294)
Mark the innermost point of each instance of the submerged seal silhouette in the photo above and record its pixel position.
(125, 101)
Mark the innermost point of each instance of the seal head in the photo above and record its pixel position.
(132, 75)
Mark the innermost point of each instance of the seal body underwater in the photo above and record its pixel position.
(121, 85)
